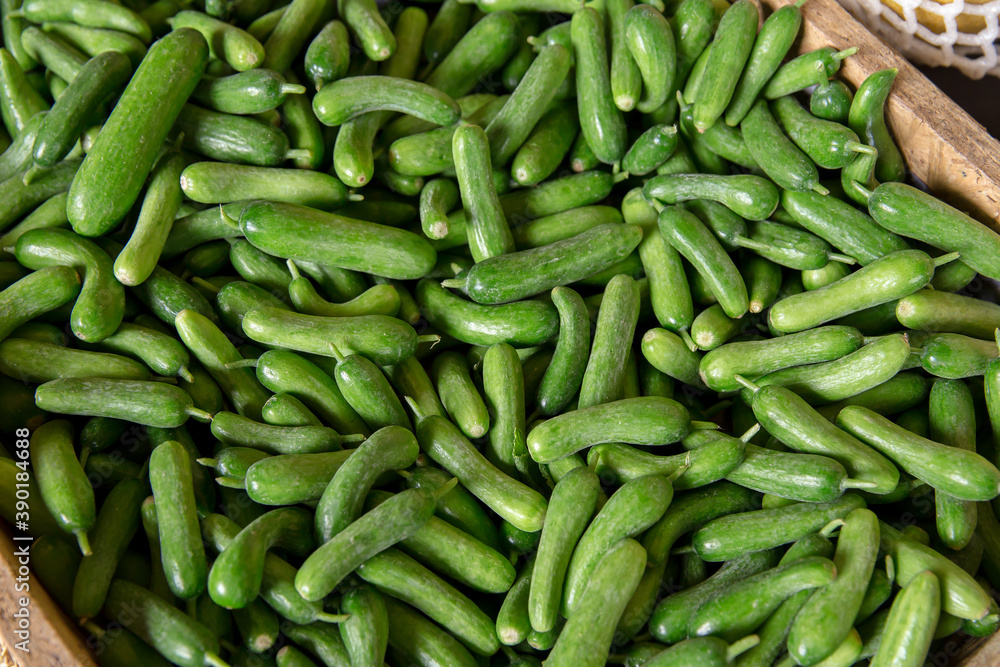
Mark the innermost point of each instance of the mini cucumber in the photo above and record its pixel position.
(564, 375)
(232, 429)
(396, 519)
(953, 423)
(751, 197)
(487, 230)
(805, 70)
(734, 39)
(892, 277)
(601, 122)
(211, 347)
(216, 182)
(175, 635)
(62, 483)
(692, 469)
(895, 205)
(835, 607)
(292, 478)
(346, 98)
(236, 576)
(587, 635)
(521, 324)
(669, 622)
(296, 233)
(387, 449)
(181, 549)
(100, 307)
(366, 389)
(244, 93)
(626, 79)
(651, 43)
(503, 389)
(650, 420)
(791, 475)
(909, 629)
(228, 138)
(868, 367)
(459, 395)
(437, 198)
(384, 340)
(135, 263)
(115, 169)
(615, 328)
(830, 145)
(570, 508)
(668, 287)
(512, 500)
(867, 118)
(932, 462)
(116, 524)
(691, 238)
(738, 534)
(285, 410)
(503, 279)
(150, 403)
(755, 358)
(35, 361)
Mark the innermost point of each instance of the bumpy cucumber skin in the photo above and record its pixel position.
(892, 277)
(896, 206)
(600, 120)
(521, 324)
(648, 420)
(112, 175)
(300, 233)
(737, 534)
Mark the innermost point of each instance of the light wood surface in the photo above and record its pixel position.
(943, 145)
(55, 640)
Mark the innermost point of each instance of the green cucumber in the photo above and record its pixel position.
(115, 169)
(648, 420)
(307, 235)
(738, 534)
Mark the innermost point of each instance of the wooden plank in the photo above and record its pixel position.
(943, 145)
(55, 640)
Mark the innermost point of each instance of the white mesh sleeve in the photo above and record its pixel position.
(974, 53)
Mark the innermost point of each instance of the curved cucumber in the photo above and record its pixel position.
(300, 233)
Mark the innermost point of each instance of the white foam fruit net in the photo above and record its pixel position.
(961, 34)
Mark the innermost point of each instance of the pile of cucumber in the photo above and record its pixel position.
(489, 333)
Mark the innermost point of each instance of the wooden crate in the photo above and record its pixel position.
(943, 146)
